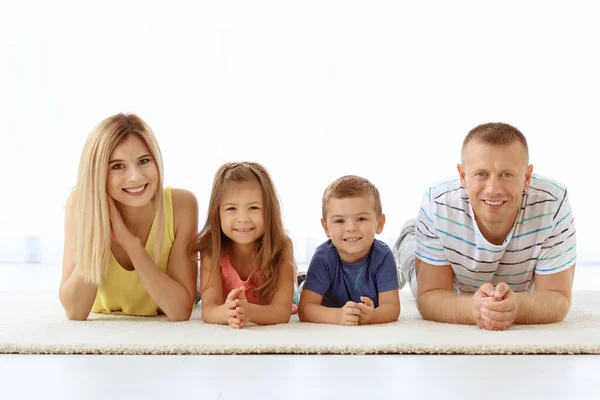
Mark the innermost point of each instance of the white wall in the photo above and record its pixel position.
(313, 90)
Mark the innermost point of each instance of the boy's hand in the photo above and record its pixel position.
(349, 314)
(367, 310)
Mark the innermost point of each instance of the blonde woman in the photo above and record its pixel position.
(126, 235)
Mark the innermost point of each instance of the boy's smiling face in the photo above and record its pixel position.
(352, 224)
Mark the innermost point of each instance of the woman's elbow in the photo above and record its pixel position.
(182, 315)
(76, 315)
(71, 312)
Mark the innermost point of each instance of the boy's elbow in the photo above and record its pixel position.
(396, 313)
(303, 315)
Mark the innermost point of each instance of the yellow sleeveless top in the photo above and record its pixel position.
(122, 291)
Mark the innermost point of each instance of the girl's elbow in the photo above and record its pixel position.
(282, 316)
(285, 318)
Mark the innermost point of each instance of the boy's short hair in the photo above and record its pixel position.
(351, 186)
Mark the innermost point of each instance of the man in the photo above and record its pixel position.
(495, 246)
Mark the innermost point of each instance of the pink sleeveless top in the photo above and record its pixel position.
(231, 280)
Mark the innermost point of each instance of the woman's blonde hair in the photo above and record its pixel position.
(274, 248)
(92, 226)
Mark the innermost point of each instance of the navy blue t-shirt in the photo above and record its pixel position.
(339, 282)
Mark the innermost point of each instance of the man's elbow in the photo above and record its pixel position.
(563, 309)
(423, 309)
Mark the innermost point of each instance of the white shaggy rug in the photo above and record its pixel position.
(34, 323)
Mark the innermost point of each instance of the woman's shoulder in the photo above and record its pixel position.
(184, 200)
(183, 196)
(71, 200)
(185, 211)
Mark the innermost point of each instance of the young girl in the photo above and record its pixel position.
(247, 263)
(125, 236)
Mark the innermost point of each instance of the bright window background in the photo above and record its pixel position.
(313, 90)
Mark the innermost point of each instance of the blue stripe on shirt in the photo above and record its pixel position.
(471, 243)
(429, 258)
(532, 232)
(555, 268)
(426, 216)
(563, 218)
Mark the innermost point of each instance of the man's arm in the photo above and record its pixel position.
(550, 300)
(437, 301)
(548, 303)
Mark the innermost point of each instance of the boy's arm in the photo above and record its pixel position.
(311, 310)
(318, 282)
(388, 310)
(388, 296)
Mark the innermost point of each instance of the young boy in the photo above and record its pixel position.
(352, 278)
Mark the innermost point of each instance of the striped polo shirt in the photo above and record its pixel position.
(542, 241)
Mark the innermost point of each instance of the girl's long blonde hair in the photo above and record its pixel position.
(92, 222)
(274, 248)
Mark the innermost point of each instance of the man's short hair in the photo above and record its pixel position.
(496, 134)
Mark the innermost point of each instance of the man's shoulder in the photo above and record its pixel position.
(545, 187)
(444, 189)
(448, 201)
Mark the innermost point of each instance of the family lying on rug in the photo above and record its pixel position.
(493, 247)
